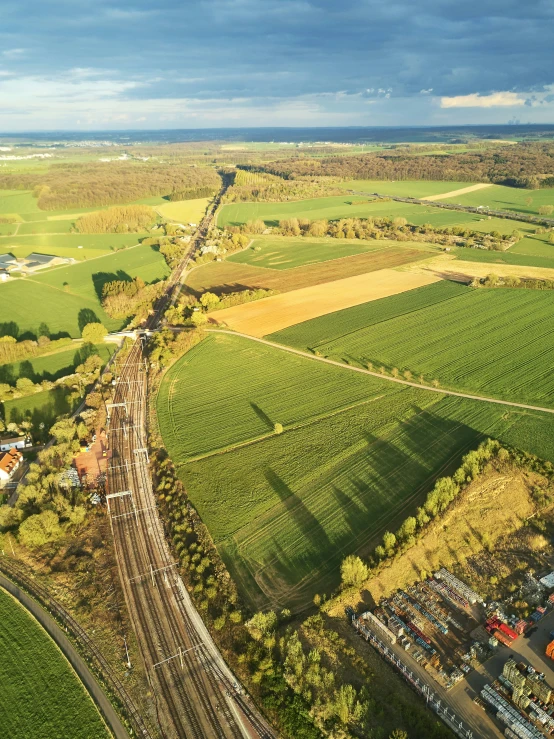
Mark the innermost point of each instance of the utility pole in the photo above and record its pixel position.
(127, 653)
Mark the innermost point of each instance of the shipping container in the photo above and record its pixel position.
(520, 627)
(502, 638)
(510, 633)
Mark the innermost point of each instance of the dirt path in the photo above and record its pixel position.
(461, 191)
(70, 653)
(439, 390)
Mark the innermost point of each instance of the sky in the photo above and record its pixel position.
(145, 64)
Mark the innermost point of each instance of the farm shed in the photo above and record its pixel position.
(16, 442)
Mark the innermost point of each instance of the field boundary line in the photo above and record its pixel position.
(335, 363)
(270, 434)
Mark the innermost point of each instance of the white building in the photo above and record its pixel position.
(9, 463)
(16, 442)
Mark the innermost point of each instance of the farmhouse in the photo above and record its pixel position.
(9, 463)
(32, 262)
(36, 261)
(8, 262)
(16, 442)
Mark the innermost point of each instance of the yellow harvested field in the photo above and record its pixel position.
(280, 311)
(461, 191)
(446, 266)
(185, 211)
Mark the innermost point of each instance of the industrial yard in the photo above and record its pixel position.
(486, 671)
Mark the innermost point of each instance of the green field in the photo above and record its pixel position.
(17, 201)
(490, 342)
(67, 245)
(336, 207)
(543, 257)
(353, 206)
(66, 298)
(45, 227)
(259, 387)
(320, 330)
(284, 253)
(404, 188)
(185, 211)
(357, 455)
(41, 408)
(42, 698)
(514, 199)
(55, 365)
(535, 246)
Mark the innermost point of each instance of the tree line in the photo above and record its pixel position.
(530, 283)
(389, 228)
(252, 186)
(192, 193)
(121, 219)
(67, 185)
(12, 350)
(354, 571)
(526, 164)
(291, 669)
(126, 298)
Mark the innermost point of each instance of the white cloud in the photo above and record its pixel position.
(426, 92)
(475, 100)
(14, 53)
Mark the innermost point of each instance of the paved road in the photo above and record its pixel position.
(439, 390)
(85, 675)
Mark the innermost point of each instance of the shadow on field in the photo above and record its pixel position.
(10, 373)
(85, 316)
(58, 404)
(303, 518)
(262, 416)
(99, 279)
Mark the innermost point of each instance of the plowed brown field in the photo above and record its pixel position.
(226, 277)
(280, 311)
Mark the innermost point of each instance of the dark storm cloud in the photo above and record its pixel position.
(257, 50)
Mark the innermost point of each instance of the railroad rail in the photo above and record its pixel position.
(196, 694)
(17, 574)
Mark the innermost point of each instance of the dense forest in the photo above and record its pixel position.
(122, 219)
(107, 183)
(518, 165)
(250, 186)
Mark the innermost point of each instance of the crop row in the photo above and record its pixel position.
(227, 390)
(319, 331)
(495, 342)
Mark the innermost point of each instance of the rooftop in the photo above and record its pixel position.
(9, 461)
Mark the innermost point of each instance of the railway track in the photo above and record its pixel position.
(196, 695)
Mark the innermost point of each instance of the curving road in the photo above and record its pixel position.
(343, 366)
(66, 647)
